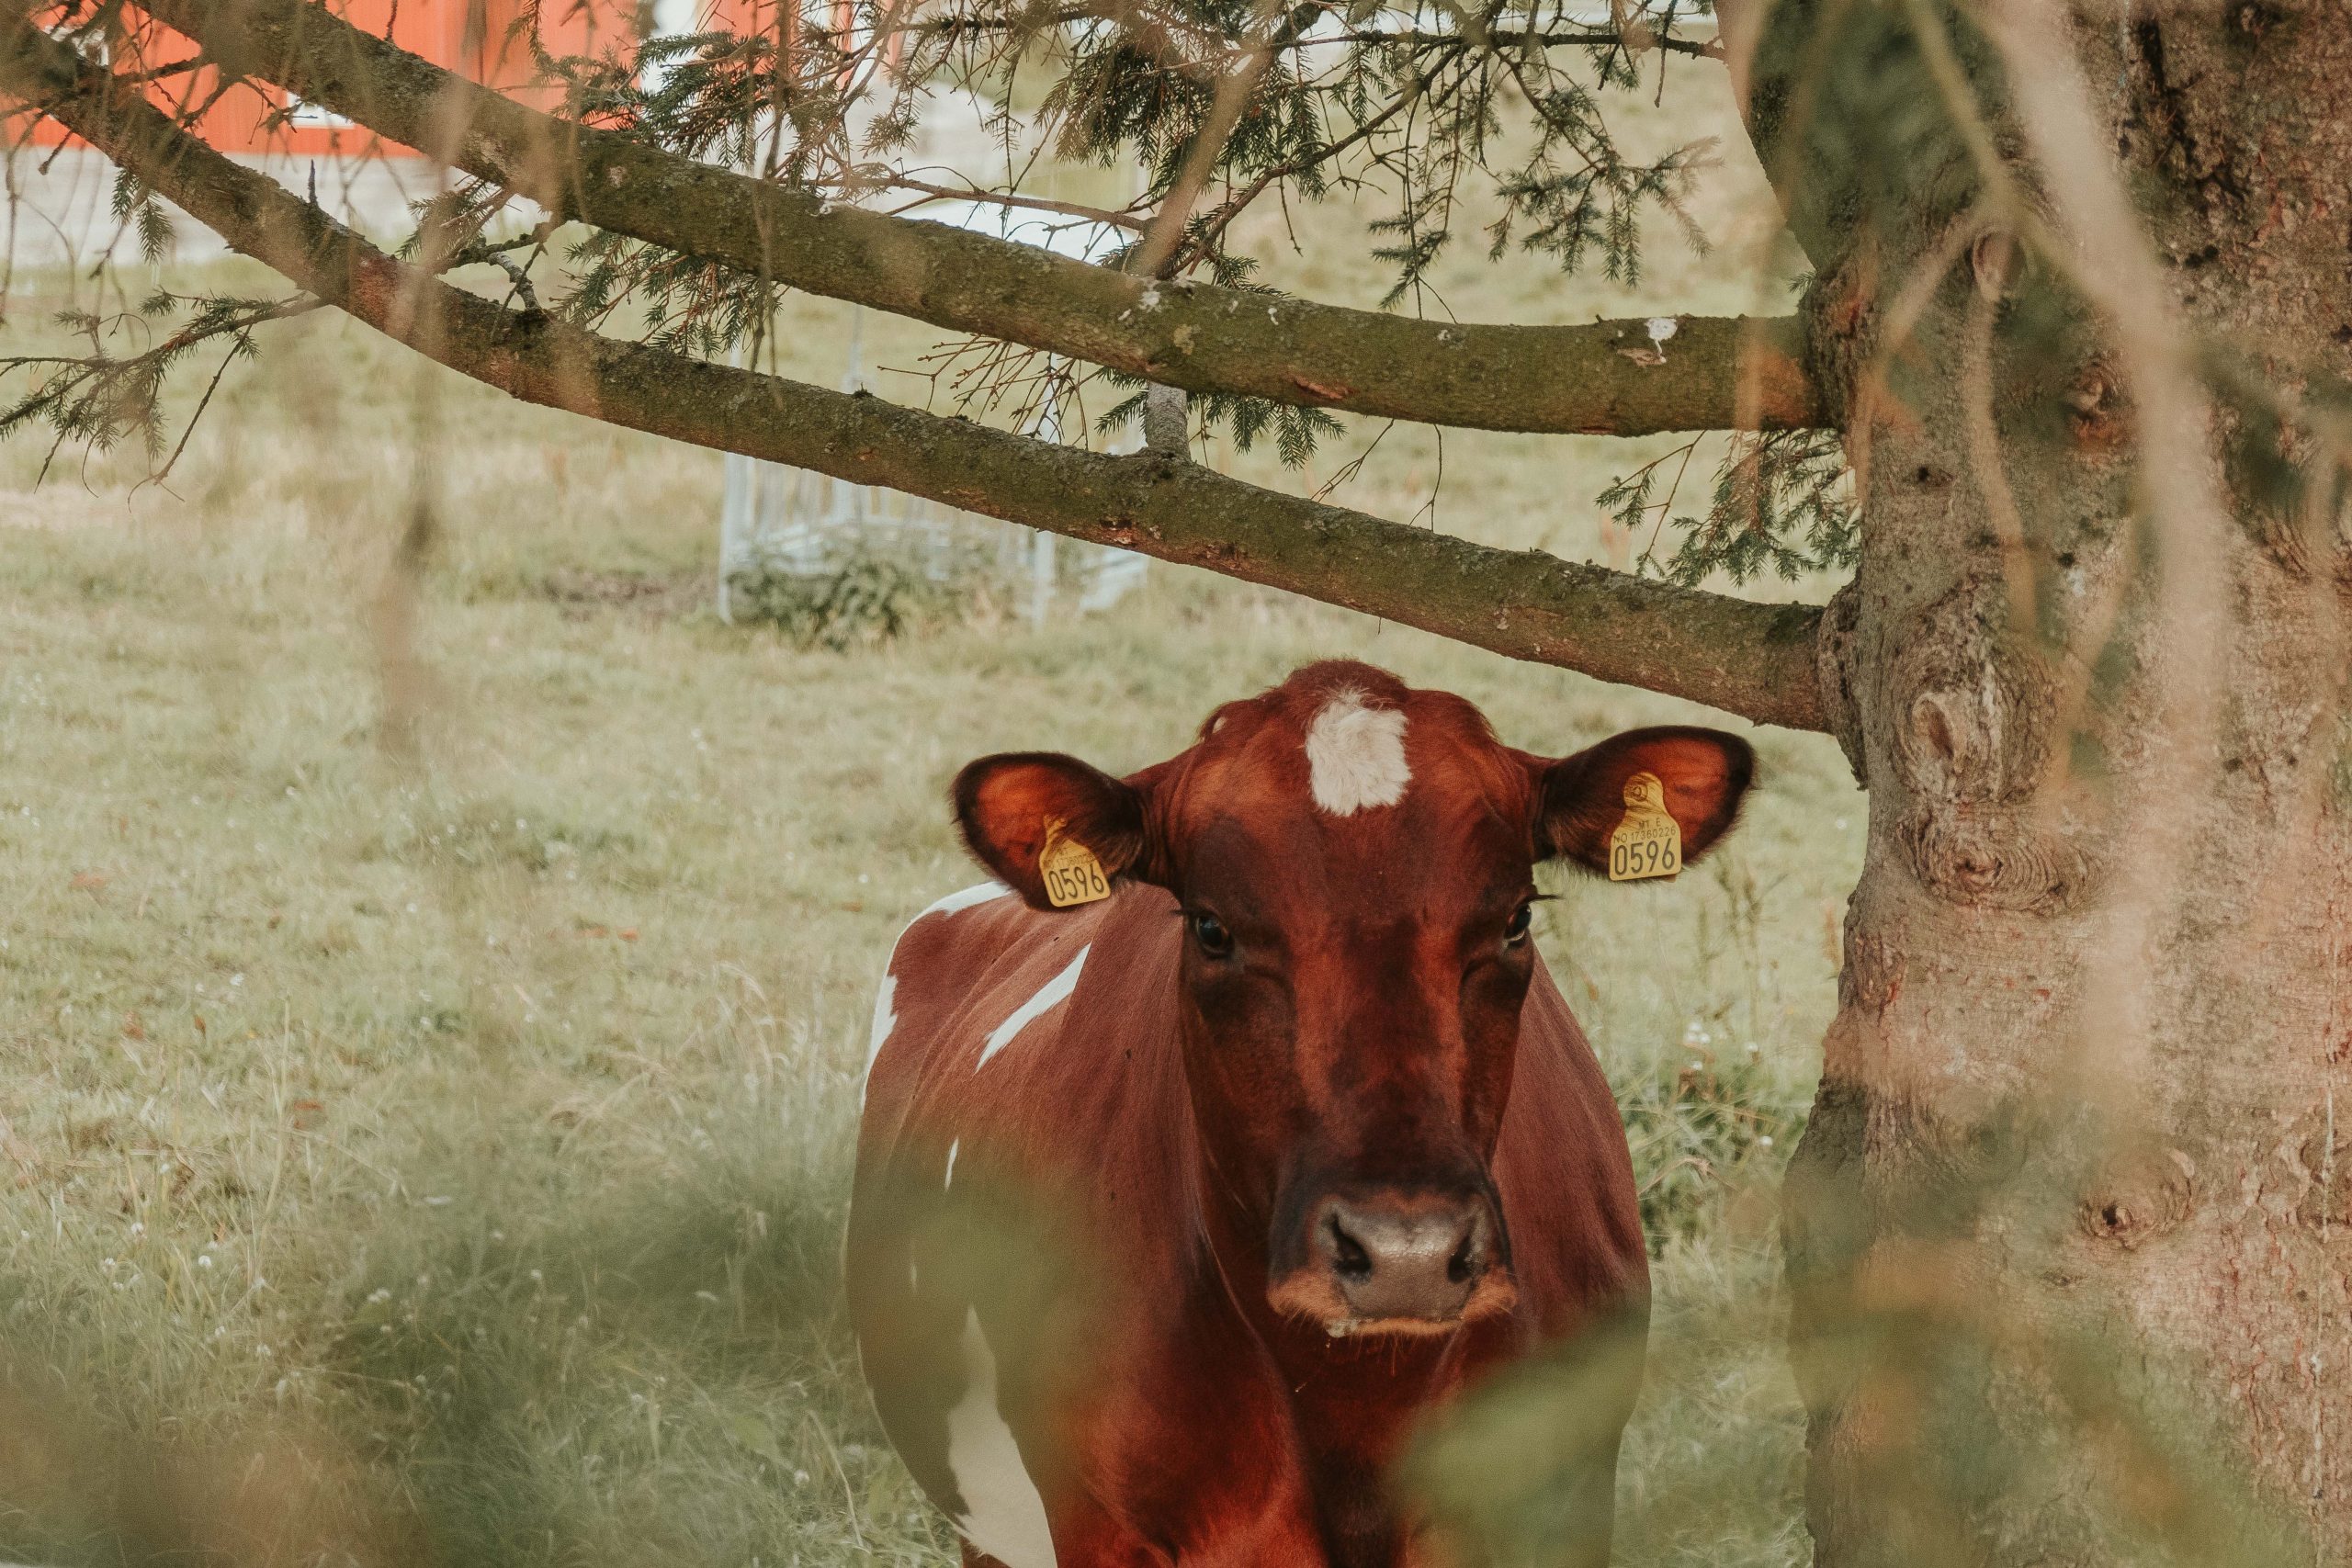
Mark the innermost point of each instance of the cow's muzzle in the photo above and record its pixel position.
(1398, 1262)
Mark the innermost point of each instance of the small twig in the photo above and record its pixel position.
(1504, 38)
(63, 390)
(495, 255)
(1159, 250)
(163, 72)
(1213, 227)
(1007, 199)
(1348, 471)
(1412, 38)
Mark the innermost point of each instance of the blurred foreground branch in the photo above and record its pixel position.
(1748, 658)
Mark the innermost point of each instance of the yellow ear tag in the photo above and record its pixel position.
(1071, 873)
(1648, 842)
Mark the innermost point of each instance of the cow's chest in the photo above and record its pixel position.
(1179, 1441)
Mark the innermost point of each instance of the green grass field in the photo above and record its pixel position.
(430, 1023)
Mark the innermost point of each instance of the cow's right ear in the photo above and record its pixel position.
(1007, 805)
(1702, 775)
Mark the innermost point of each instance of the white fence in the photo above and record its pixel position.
(790, 520)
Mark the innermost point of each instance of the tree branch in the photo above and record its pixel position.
(1410, 38)
(1523, 37)
(1723, 372)
(1747, 658)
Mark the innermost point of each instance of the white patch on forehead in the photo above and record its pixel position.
(1355, 755)
(1050, 995)
(1003, 1516)
(951, 1163)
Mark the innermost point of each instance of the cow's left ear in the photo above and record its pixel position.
(1581, 799)
(1007, 804)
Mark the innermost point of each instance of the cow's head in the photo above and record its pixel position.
(1352, 862)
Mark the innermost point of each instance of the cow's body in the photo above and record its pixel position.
(1181, 1438)
(1066, 1299)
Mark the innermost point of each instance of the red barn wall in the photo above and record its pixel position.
(474, 37)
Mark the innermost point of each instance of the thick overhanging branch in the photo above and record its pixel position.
(1752, 660)
(1601, 379)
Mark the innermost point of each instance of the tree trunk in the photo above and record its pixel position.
(2070, 1228)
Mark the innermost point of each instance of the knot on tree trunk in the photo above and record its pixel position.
(1994, 857)
(1972, 716)
(2139, 1197)
(1966, 736)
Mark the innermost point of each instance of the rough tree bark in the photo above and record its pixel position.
(2071, 1226)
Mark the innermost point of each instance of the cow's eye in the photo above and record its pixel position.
(1210, 932)
(1522, 918)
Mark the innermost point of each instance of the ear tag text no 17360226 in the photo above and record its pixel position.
(1069, 871)
(1648, 842)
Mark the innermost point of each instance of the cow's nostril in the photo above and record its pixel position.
(1348, 1256)
(1404, 1256)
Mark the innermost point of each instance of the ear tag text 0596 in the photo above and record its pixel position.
(1648, 842)
(1069, 871)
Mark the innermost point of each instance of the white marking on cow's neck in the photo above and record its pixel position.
(966, 898)
(951, 1163)
(1052, 992)
(885, 1019)
(1355, 755)
(1003, 1516)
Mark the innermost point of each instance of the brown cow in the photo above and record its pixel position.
(1173, 1209)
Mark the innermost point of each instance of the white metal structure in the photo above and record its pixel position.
(782, 519)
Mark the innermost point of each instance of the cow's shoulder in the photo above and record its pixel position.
(982, 990)
(953, 942)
